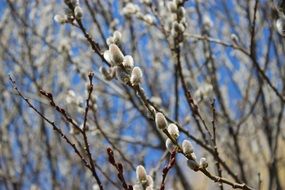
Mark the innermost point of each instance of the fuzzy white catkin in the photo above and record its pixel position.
(160, 121)
(108, 74)
(173, 130)
(148, 19)
(181, 12)
(136, 76)
(193, 165)
(156, 100)
(73, 130)
(70, 96)
(149, 188)
(78, 12)
(207, 22)
(181, 27)
(95, 187)
(280, 25)
(234, 38)
(116, 54)
(149, 180)
(193, 155)
(110, 41)
(187, 147)
(203, 91)
(172, 6)
(137, 187)
(203, 163)
(169, 145)
(128, 61)
(130, 8)
(107, 56)
(117, 36)
(122, 75)
(61, 19)
(141, 173)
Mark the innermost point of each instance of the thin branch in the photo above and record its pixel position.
(166, 169)
(119, 168)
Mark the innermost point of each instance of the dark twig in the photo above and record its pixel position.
(87, 148)
(216, 155)
(55, 128)
(82, 131)
(63, 112)
(94, 45)
(166, 169)
(119, 168)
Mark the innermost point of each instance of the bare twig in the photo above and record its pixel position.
(119, 168)
(166, 169)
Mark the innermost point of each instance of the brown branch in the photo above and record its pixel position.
(215, 144)
(166, 169)
(87, 148)
(119, 168)
(52, 123)
(62, 111)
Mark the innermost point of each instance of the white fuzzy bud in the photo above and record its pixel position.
(203, 163)
(172, 6)
(160, 121)
(95, 187)
(187, 147)
(173, 17)
(175, 25)
(137, 187)
(136, 76)
(207, 22)
(178, 27)
(181, 27)
(130, 8)
(181, 12)
(169, 145)
(139, 15)
(122, 75)
(156, 100)
(61, 19)
(70, 96)
(73, 130)
(117, 37)
(234, 38)
(148, 19)
(78, 12)
(141, 174)
(193, 165)
(108, 74)
(203, 91)
(173, 130)
(149, 188)
(110, 41)
(280, 25)
(193, 155)
(128, 61)
(149, 180)
(116, 54)
(107, 56)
